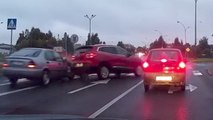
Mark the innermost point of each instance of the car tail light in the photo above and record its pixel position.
(5, 65)
(145, 65)
(163, 60)
(31, 64)
(73, 57)
(90, 55)
(182, 65)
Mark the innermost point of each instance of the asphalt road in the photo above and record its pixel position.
(114, 98)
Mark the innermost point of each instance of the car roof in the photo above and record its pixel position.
(159, 49)
(98, 45)
(37, 48)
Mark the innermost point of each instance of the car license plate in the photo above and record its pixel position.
(79, 65)
(164, 78)
(18, 63)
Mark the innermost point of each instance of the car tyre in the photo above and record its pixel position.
(183, 87)
(103, 72)
(84, 78)
(70, 74)
(13, 82)
(146, 87)
(138, 71)
(118, 75)
(45, 78)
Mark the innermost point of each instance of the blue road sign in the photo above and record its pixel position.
(11, 24)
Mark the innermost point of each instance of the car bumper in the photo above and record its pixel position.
(22, 73)
(164, 79)
(80, 67)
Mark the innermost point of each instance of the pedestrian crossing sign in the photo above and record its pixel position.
(11, 24)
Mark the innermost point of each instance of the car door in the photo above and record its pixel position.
(52, 64)
(123, 58)
(61, 65)
(109, 55)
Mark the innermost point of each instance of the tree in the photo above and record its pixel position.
(120, 43)
(203, 48)
(36, 38)
(160, 43)
(68, 45)
(94, 39)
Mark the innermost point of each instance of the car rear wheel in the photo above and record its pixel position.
(118, 74)
(13, 82)
(103, 72)
(138, 71)
(183, 87)
(70, 74)
(45, 78)
(146, 87)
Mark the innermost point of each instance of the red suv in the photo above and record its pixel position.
(164, 66)
(103, 60)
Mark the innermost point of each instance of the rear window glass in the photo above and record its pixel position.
(27, 53)
(169, 55)
(83, 50)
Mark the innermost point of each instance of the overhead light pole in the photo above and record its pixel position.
(90, 24)
(196, 22)
(185, 29)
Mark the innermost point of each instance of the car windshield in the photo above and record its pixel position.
(168, 55)
(27, 53)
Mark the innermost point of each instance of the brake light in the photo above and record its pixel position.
(73, 57)
(31, 64)
(90, 55)
(5, 65)
(145, 65)
(163, 60)
(182, 65)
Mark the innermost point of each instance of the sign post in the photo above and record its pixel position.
(11, 25)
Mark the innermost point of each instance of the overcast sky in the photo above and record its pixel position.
(130, 21)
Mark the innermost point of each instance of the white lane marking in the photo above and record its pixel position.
(196, 73)
(3, 84)
(19, 80)
(91, 85)
(19, 90)
(98, 112)
(77, 90)
(191, 87)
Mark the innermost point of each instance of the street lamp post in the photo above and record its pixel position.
(196, 22)
(90, 24)
(185, 29)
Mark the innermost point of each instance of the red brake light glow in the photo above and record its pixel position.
(182, 65)
(5, 65)
(163, 60)
(145, 65)
(90, 55)
(72, 57)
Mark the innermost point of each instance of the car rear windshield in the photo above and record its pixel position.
(166, 54)
(83, 49)
(27, 53)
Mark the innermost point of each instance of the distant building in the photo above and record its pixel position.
(5, 49)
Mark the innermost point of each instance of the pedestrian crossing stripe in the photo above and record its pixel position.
(197, 73)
